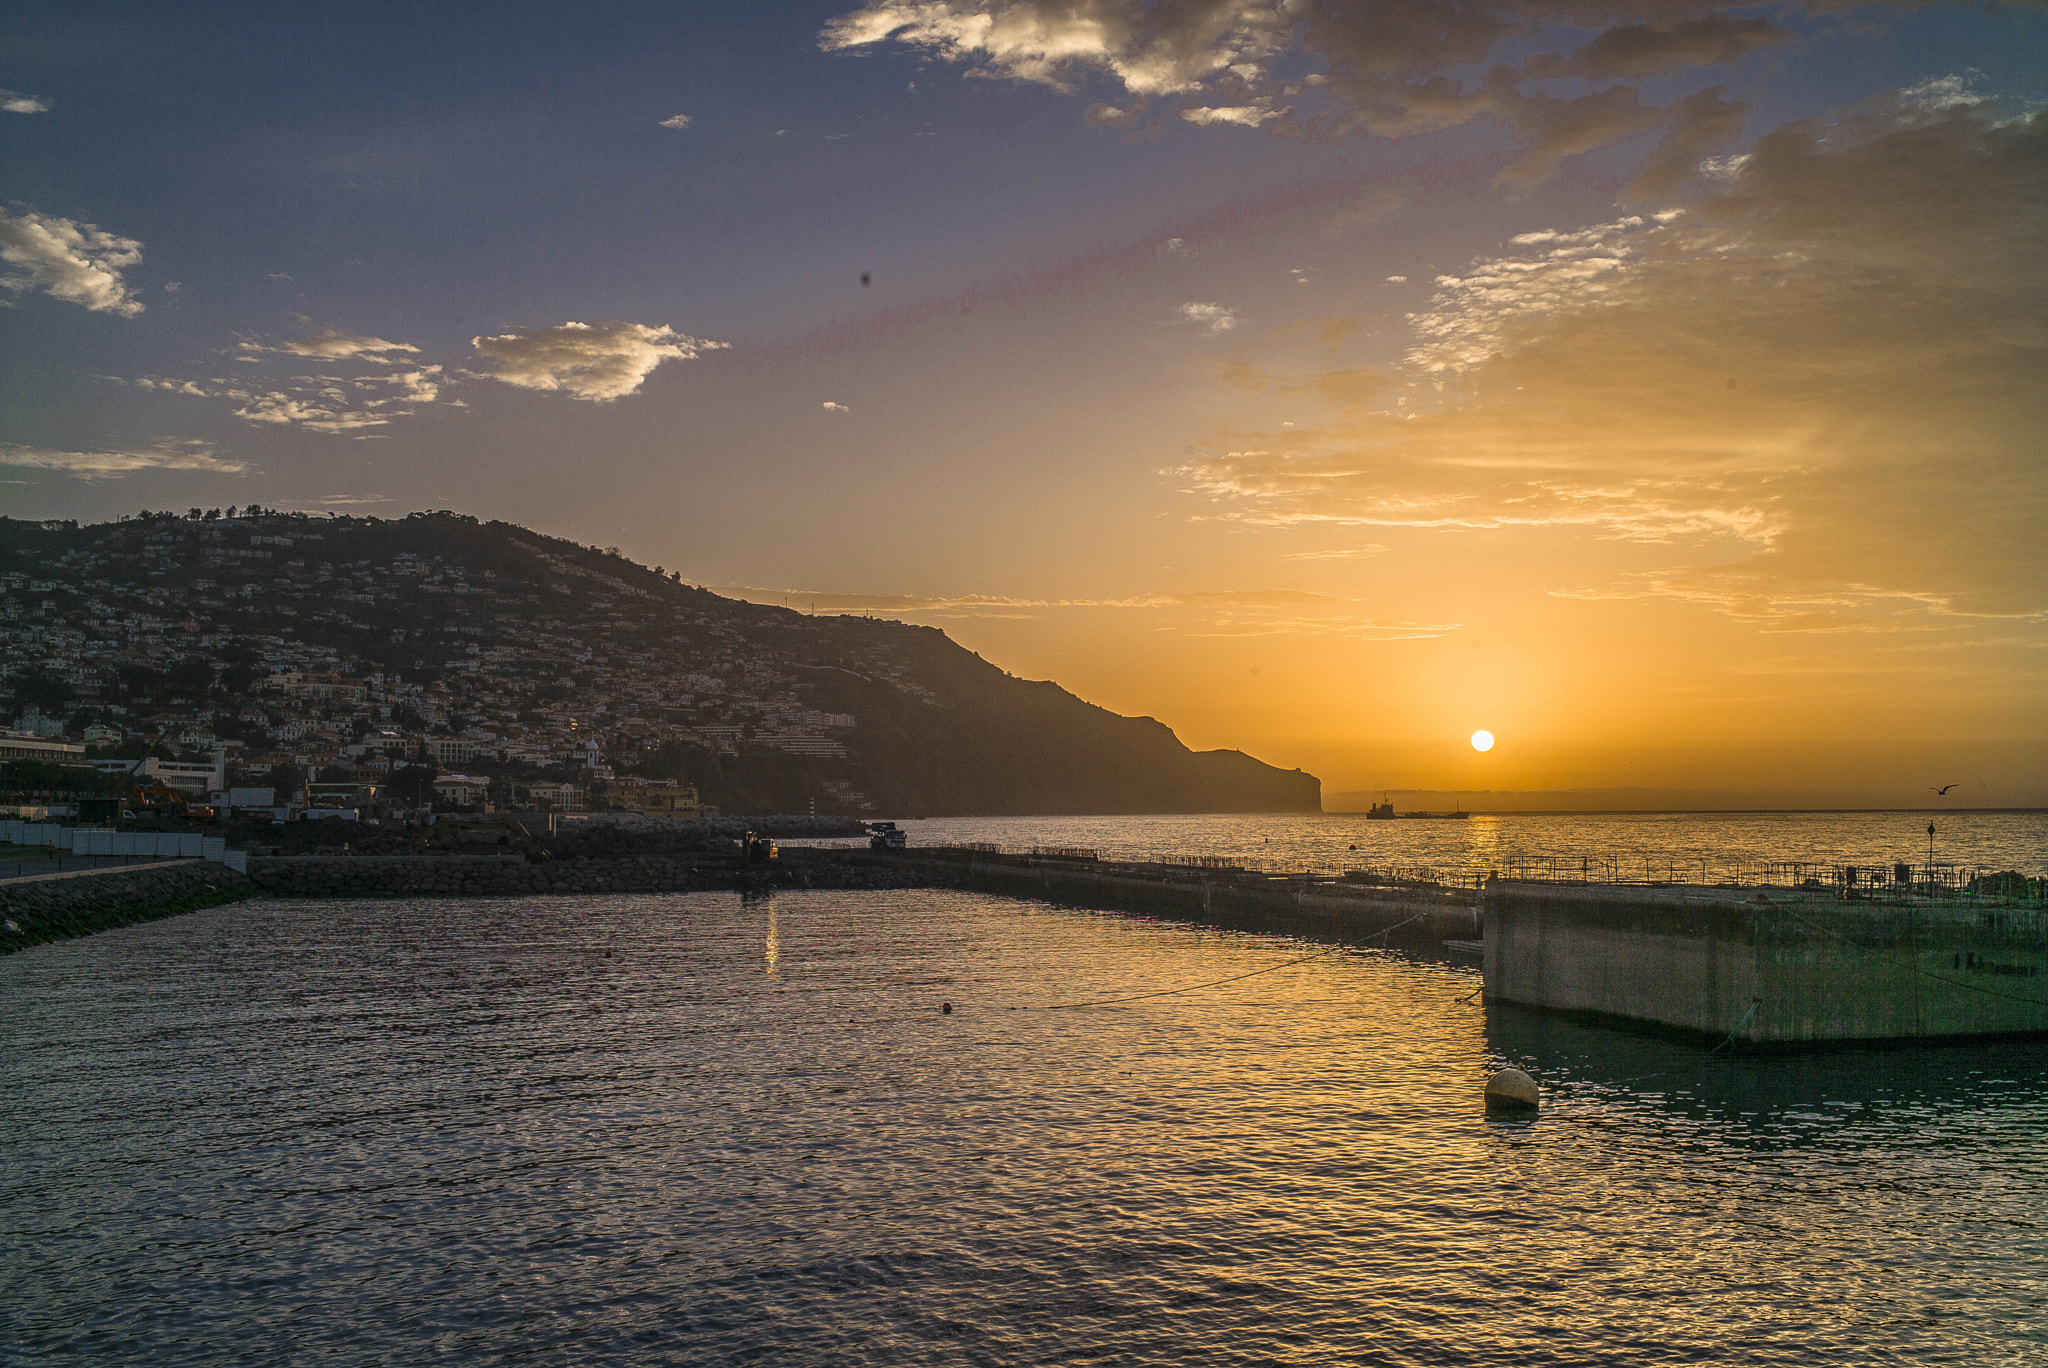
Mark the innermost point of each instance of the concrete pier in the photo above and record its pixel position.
(1418, 919)
(1769, 966)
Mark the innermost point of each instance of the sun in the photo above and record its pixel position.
(1482, 740)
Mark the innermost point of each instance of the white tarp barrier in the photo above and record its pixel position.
(237, 860)
(10, 831)
(80, 841)
(99, 841)
(188, 844)
(213, 848)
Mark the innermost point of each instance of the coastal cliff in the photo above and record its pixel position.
(528, 660)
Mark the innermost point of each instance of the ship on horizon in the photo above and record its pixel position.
(1383, 811)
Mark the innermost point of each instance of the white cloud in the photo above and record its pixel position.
(831, 407)
(593, 361)
(1244, 116)
(1214, 317)
(14, 102)
(334, 404)
(334, 344)
(69, 260)
(677, 121)
(112, 465)
(1941, 94)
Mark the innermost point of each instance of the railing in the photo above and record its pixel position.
(1896, 880)
(1890, 882)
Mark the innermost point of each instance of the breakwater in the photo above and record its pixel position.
(1419, 919)
(53, 907)
(1771, 965)
(371, 876)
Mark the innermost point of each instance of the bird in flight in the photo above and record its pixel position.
(1943, 790)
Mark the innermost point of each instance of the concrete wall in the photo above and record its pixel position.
(1410, 919)
(1771, 966)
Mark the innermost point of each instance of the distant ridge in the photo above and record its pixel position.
(478, 628)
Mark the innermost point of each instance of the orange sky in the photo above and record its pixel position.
(1662, 387)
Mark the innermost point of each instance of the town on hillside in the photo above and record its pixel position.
(305, 664)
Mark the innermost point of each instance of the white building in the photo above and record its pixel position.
(186, 775)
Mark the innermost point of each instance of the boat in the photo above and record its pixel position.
(1384, 812)
(886, 836)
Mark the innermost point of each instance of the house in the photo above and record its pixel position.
(559, 797)
(461, 790)
(660, 800)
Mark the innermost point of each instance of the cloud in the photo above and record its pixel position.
(112, 465)
(1820, 378)
(1633, 51)
(1212, 606)
(338, 405)
(1392, 68)
(831, 407)
(1342, 553)
(69, 260)
(593, 361)
(1703, 121)
(677, 121)
(14, 102)
(1244, 116)
(1214, 317)
(334, 344)
(351, 500)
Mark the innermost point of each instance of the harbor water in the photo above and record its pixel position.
(702, 1129)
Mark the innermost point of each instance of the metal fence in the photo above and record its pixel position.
(1899, 881)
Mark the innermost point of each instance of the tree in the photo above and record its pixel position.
(413, 785)
(40, 689)
(286, 780)
(190, 677)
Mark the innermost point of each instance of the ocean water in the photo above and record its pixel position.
(1672, 842)
(701, 1129)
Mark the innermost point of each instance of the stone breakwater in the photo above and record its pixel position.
(457, 876)
(35, 911)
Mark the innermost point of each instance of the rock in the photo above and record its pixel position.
(1512, 1090)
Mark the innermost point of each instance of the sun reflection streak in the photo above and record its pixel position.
(772, 947)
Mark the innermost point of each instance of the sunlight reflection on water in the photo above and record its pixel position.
(400, 1131)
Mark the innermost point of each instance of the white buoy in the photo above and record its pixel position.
(1512, 1090)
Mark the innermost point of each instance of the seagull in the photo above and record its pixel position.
(1943, 790)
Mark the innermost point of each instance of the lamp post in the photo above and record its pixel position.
(1930, 851)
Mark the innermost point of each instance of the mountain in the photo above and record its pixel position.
(530, 658)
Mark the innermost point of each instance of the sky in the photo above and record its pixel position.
(1657, 385)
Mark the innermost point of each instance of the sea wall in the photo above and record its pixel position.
(1769, 966)
(345, 876)
(53, 907)
(1412, 919)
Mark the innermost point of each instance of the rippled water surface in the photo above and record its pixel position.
(699, 1130)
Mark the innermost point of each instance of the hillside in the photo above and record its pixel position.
(291, 637)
